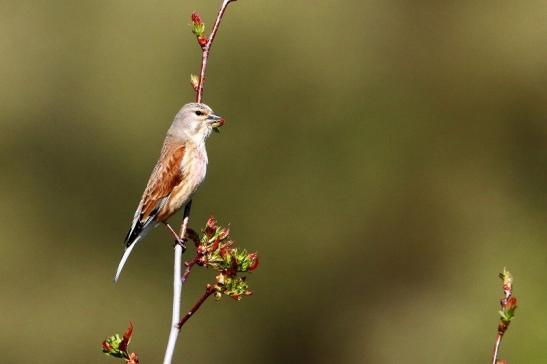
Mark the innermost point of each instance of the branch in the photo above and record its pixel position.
(208, 292)
(189, 266)
(214, 250)
(496, 348)
(508, 306)
(177, 287)
(206, 47)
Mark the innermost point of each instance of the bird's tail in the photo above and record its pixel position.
(134, 235)
(125, 255)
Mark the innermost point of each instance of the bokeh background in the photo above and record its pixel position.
(386, 158)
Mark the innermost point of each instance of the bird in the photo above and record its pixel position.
(179, 171)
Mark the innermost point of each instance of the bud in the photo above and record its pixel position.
(106, 347)
(196, 19)
(211, 227)
(512, 304)
(133, 359)
(198, 27)
(214, 246)
(202, 41)
(253, 257)
(194, 81)
(224, 252)
(220, 279)
(116, 346)
(126, 338)
(224, 233)
(507, 278)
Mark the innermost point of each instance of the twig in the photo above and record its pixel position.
(508, 306)
(207, 48)
(189, 266)
(208, 292)
(496, 348)
(177, 288)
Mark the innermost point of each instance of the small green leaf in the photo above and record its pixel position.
(198, 29)
(111, 346)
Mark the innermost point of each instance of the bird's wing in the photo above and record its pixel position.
(166, 175)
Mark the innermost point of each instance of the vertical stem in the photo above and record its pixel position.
(204, 55)
(177, 293)
(185, 218)
(177, 288)
(496, 348)
(207, 48)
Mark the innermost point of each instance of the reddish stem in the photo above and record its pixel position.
(208, 292)
(503, 324)
(207, 48)
(189, 266)
(499, 336)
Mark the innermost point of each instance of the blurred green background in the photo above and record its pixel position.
(386, 158)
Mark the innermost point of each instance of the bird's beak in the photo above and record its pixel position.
(215, 121)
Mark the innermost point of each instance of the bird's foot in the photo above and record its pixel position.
(181, 242)
(178, 240)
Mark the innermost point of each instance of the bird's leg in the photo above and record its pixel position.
(178, 239)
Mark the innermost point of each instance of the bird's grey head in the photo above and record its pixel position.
(196, 121)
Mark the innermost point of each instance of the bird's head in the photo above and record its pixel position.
(196, 121)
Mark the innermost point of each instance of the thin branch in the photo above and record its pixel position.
(207, 48)
(496, 348)
(177, 287)
(208, 292)
(189, 266)
(508, 306)
(177, 295)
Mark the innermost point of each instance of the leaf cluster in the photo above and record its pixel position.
(116, 346)
(216, 251)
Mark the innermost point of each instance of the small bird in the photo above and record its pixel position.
(179, 171)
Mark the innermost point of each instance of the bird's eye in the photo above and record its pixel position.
(199, 113)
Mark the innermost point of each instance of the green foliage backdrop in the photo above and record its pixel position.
(386, 159)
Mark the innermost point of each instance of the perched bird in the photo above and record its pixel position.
(178, 173)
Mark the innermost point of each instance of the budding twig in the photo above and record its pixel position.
(189, 265)
(206, 48)
(116, 346)
(508, 306)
